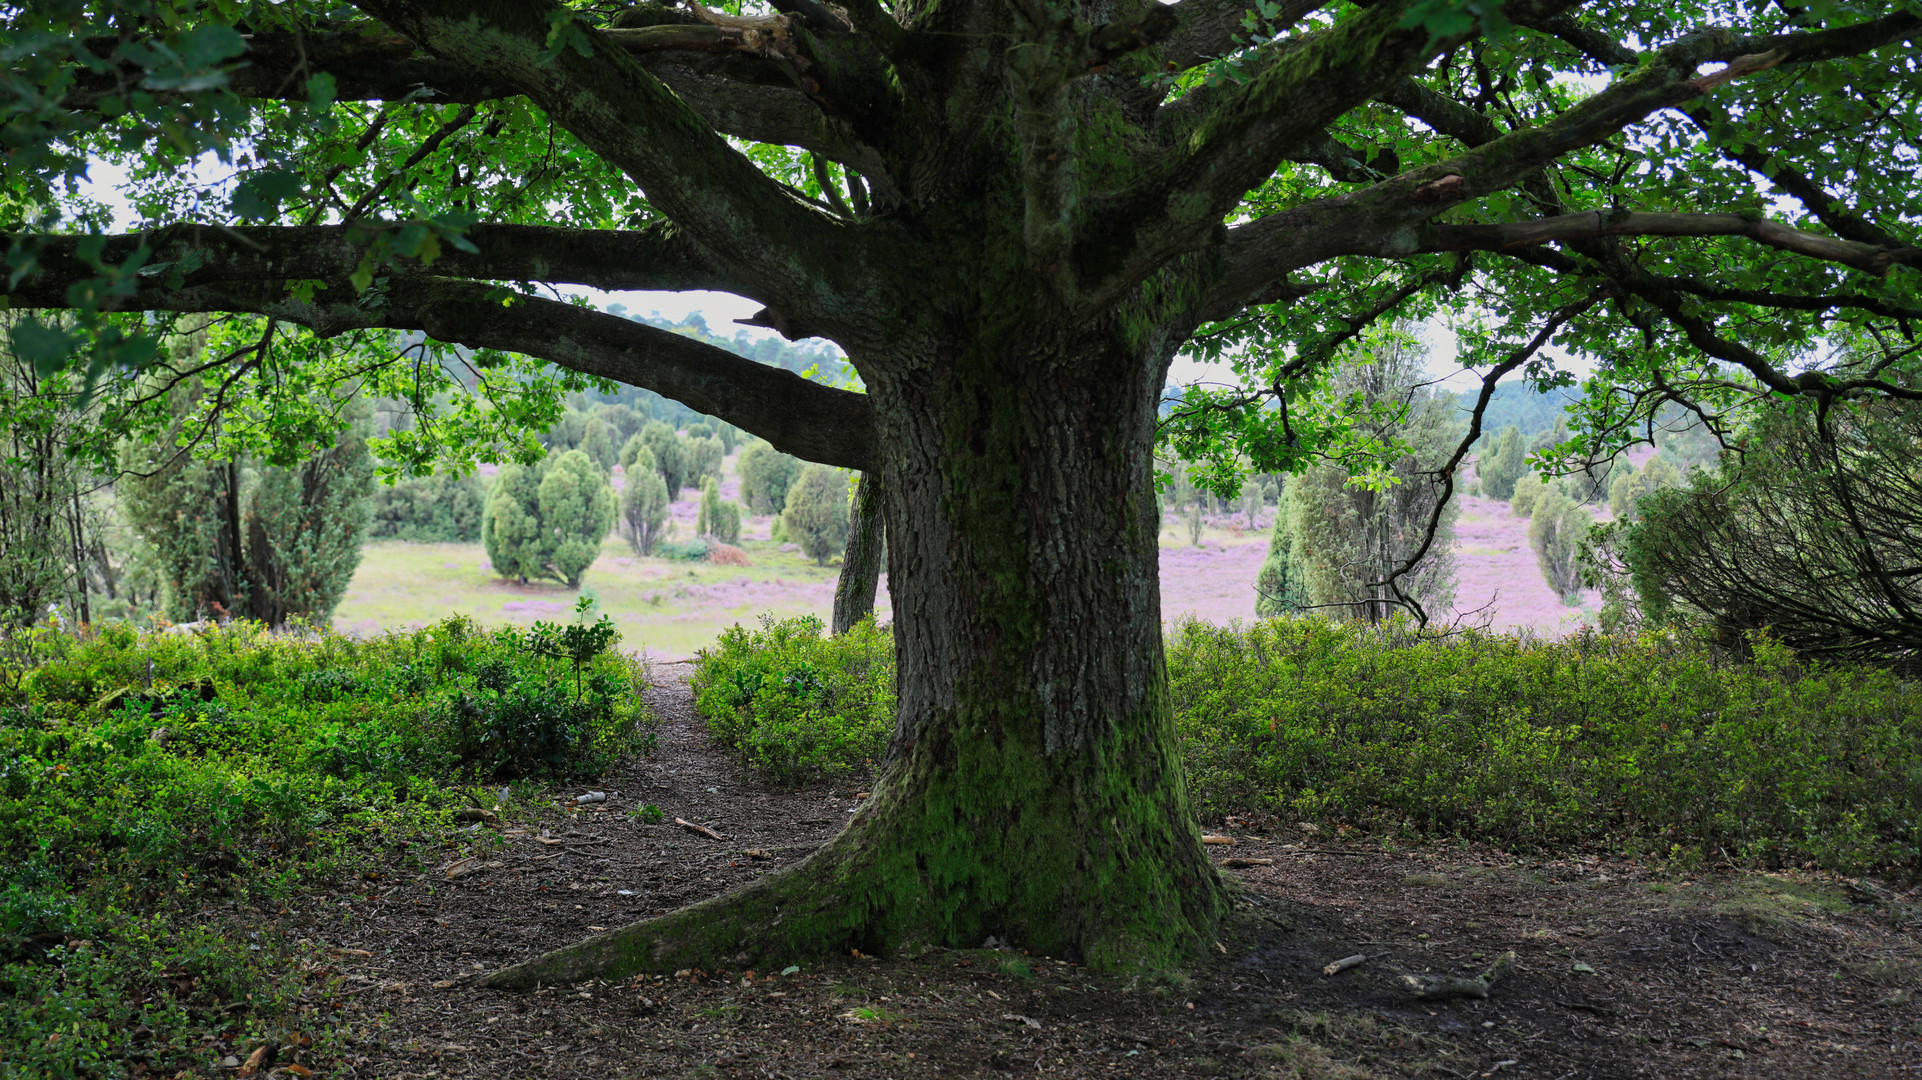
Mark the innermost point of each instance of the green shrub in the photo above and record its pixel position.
(1555, 534)
(766, 474)
(577, 509)
(670, 456)
(719, 518)
(1529, 490)
(1651, 745)
(1646, 743)
(597, 442)
(442, 508)
(1627, 489)
(548, 521)
(1502, 463)
(148, 780)
(816, 515)
(704, 456)
(796, 703)
(643, 520)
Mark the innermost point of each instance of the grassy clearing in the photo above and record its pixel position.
(664, 606)
(160, 794)
(1649, 746)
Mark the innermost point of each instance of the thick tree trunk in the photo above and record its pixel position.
(1033, 790)
(861, 562)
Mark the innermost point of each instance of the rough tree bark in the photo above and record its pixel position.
(1033, 791)
(861, 560)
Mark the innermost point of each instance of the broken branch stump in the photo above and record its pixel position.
(1432, 987)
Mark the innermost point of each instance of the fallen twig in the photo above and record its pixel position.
(1239, 863)
(1447, 986)
(1338, 966)
(702, 829)
(1211, 838)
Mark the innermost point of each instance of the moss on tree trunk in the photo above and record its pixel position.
(1033, 790)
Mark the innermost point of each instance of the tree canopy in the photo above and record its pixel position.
(1012, 215)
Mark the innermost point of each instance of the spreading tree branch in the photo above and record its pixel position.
(751, 224)
(1868, 258)
(658, 256)
(803, 418)
(1388, 215)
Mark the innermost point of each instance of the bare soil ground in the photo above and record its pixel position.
(1621, 971)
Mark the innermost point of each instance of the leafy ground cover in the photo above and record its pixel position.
(1622, 969)
(350, 953)
(160, 792)
(797, 704)
(1650, 747)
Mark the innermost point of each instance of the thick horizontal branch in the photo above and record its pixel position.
(756, 228)
(713, 69)
(806, 419)
(1213, 28)
(656, 257)
(1867, 258)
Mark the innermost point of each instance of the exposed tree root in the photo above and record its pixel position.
(856, 893)
(797, 914)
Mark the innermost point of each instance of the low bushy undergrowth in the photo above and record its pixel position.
(1649, 744)
(1654, 745)
(150, 780)
(798, 704)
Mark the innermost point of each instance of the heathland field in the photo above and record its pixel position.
(670, 607)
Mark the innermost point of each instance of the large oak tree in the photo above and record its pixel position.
(1012, 215)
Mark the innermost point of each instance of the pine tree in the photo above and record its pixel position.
(577, 508)
(511, 525)
(670, 456)
(1278, 588)
(249, 540)
(1529, 489)
(633, 450)
(643, 504)
(816, 516)
(704, 456)
(304, 528)
(1555, 533)
(766, 475)
(598, 444)
(1630, 486)
(719, 519)
(1342, 538)
(1503, 464)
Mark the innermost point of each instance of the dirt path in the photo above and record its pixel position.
(1620, 972)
